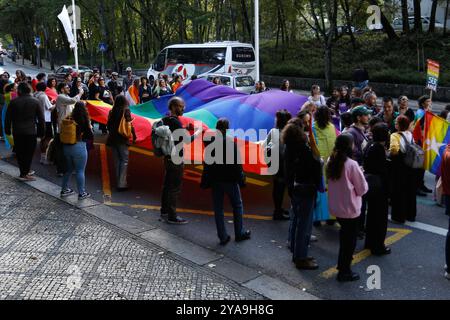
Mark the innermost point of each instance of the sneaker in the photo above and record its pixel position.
(246, 236)
(226, 241)
(348, 277)
(32, 173)
(425, 189)
(447, 275)
(177, 221)
(27, 178)
(66, 193)
(84, 196)
(314, 238)
(281, 216)
(60, 175)
(306, 264)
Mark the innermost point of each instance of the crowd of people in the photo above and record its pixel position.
(344, 159)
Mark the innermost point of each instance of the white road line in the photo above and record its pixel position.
(427, 227)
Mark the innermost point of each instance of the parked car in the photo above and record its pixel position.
(61, 72)
(397, 24)
(241, 83)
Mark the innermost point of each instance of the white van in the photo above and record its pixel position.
(187, 60)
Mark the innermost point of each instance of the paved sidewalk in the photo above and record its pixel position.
(52, 250)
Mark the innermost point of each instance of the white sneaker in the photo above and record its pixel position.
(447, 275)
(314, 238)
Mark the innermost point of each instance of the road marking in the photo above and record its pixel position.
(360, 256)
(142, 151)
(191, 211)
(106, 181)
(427, 227)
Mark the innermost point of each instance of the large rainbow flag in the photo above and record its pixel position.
(435, 139)
(208, 103)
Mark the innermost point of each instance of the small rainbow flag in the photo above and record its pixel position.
(436, 138)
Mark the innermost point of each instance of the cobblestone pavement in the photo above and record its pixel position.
(50, 250)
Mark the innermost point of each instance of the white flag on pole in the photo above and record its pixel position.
(65, 20)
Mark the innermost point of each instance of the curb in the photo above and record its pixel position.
(264, 285)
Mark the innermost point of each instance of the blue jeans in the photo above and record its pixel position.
(76, 158)
(447, 243)
(234, 194)
(301, 224)
(120, 155)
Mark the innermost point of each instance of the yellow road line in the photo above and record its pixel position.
(142, 151)
(399, 234)
(191, 211)
(106, 181)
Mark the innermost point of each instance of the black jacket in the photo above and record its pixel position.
(221, 171)
(22, 115)
(115, 138)
(302, 167)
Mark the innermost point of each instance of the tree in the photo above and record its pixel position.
(433, 16)
(324, 23)
(446, 17)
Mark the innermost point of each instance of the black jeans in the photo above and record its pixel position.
(173, 179)
(24, 145)
(279, 189)
(377, 219)
(347, 240)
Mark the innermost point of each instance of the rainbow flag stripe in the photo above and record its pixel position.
(436, 138)
(208, 103)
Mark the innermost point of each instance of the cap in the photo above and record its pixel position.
(115, 74)
(357, 100)
(361, 111)
(74, 74)
(129, 69)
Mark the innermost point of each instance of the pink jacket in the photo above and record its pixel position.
(345, 194)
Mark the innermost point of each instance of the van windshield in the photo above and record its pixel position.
(245, 82)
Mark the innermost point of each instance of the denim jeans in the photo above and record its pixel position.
(301, 225)
(233, 192)
(120, 155)
(76, 157)
(447, 244)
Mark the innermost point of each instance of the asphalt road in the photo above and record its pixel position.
(413, 271)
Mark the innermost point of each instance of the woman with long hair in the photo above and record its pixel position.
(145, 91)
(346, 186)
(118, 143)
(77, 155)
(286, 86)
(303, 178)
(403, 197)
(325, 135)
(376, 169)
(316, 96)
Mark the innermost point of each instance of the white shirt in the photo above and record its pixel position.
(46, 105)
(321, 102)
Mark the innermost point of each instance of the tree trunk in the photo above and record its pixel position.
(346, 7)
(246, 21)
(385, 22)
(446, 17)
(433, 16)
(405, 16)
(417, 16)
(328, 68)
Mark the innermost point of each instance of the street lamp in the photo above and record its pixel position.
(74, 15)
(257, 39)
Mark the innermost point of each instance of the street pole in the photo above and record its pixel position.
(38, 57)
(103, 62)
(74, 16)
(257, 39)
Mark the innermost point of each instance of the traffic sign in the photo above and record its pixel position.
(37, 41)
(103, 47)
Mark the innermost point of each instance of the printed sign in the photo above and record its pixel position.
(432, 75)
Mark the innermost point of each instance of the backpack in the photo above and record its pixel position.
(414, 155)
(68, 134)
(162, 140)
